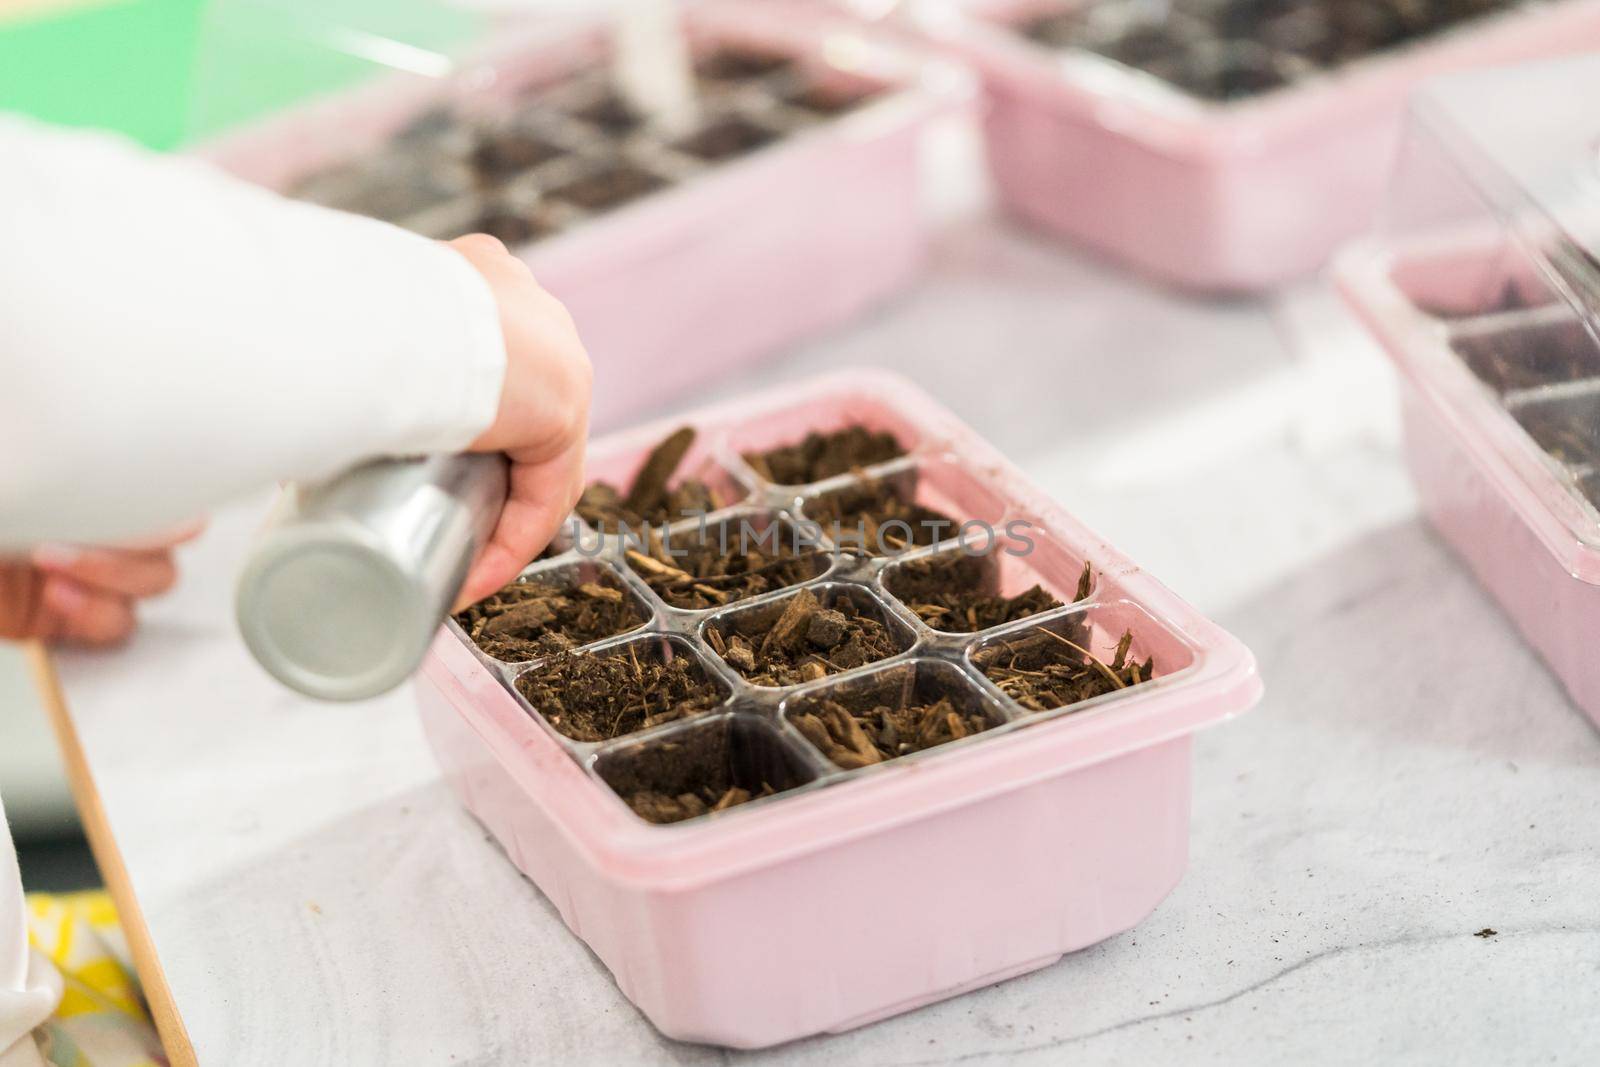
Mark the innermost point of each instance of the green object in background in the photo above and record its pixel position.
(169, 71)
(116, 64)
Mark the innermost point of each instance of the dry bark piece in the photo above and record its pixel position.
(596, 698)
(651, 499)
(806, 641)
(1043, 670)
(860, 738)
(946, 593)
(824, 455)
(532, 618)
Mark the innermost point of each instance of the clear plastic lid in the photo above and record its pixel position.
(1490, 281)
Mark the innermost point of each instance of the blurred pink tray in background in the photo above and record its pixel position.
(1510, 510)
(857, 894)
(735, 262)
(1238, 196)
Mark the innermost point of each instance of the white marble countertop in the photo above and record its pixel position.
(1413, 776)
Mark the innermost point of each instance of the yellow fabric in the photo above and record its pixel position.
(101, 1021)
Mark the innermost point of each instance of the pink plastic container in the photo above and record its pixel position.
(830, 905)
(731, 261)
(1236, 196)
(1484, 295)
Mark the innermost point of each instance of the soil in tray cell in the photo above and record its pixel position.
(712, 565)
(825, 455)
(502, 154)
(511, 227)
(730, 64)
(827, 101)
(610, 186)
(803, 638)
(543, 615)
(699, 771)
(612, 114)
(1528, 356)
(596, 697)
(1567, 428)
(653, 498)
(725, 139)
(1042, 669)
(948, 592)
(898, 711)
(878, 518)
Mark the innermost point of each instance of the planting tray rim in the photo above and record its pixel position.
(1219, 682)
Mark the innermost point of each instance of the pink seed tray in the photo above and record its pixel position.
(1517, 517)
(852, 895)
(730, 260)
(1221, 197)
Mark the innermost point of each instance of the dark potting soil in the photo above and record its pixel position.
(612, 185)
(741, 64)
(653, 498)
(725, 139)
(598, 697)
(1238, 48)
(1042, 670)
(801, 639)
(824, 455)
(534, 618)
(1527, 356)
(947, 592)
(502, 154)
(700, 771)
(714, 566)
(878, 518)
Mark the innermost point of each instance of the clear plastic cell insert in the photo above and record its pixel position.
(1485, 281)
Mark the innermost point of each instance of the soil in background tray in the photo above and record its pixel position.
(827, 101)
(805, 642)
(1569, 430)
(732, 64)
(502, 154)
(611, 186)
(698, 571)
(1524, 357)
(1321, 33)
(1042, 670)
(652, 499)
(824, 455)
(860, 733)
(726, 138)
(946, 592)
(512, 228)
(868, 517)
(597, 697)
(612, 114)
(533, 618)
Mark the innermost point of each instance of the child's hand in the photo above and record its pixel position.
(543, 418)
(84, 596)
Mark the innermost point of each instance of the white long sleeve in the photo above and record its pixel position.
(171, 337)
